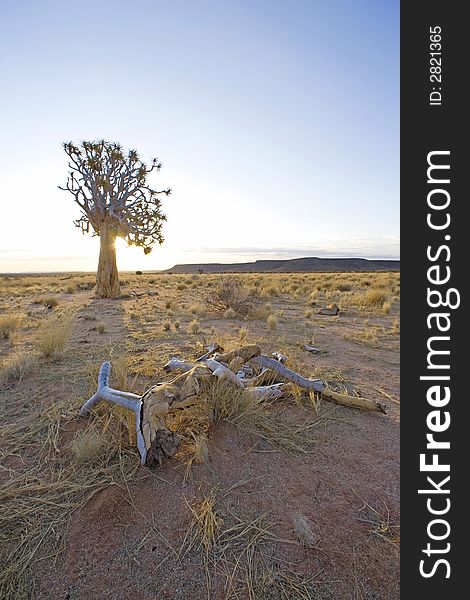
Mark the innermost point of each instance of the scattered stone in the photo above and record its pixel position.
(331, 310)
(312, 349)
(304, 532)
(282, 358)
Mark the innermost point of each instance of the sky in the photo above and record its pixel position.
(277, 124)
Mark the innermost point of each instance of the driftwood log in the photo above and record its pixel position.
(156, 442)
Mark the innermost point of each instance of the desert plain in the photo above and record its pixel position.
(296, 498)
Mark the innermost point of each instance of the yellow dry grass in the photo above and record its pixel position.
(38, 498)
(54, 335)
(9, 325)
(18, 366)
(239, 549)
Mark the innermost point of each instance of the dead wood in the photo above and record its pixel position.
(156, 442)
(354, 402)
(315, 385)
(245, 352)
(165, 445)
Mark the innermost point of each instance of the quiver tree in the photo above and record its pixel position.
(111, 189)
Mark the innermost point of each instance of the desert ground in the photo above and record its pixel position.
(297, 498)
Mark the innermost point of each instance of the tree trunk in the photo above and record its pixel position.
(107, 276)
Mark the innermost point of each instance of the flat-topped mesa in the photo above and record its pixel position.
(309, 264)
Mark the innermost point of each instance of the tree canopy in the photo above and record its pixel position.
(110, 187)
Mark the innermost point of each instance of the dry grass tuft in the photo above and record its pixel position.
(120, 371)
(240, 549)
(49, 302)
(242, 334)
(229, 292)
(20, 365)
(201, 450)
(196, 451)
(365, 337)
(230, 314)
(39, 497)
(194, 327)
(9, 325)
(89, 316)
(268, 421)
(100, 327)
(197, 310)
(272, 322)
(269, 582)
(205, 524)
(272, 290)
(313, 297)
(260, 313)
(374, 297)
(54, 335)
(89, 446)
(380, 521)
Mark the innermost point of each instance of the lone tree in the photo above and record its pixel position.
(111, 189)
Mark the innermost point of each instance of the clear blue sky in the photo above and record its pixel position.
(277, 124)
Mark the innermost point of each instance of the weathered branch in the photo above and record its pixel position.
(127, 400)
(266, 392)
(315, 385)
(176, 364)
(155, 440)
(353, 401)
(223, 373)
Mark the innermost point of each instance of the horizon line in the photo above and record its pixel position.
(156, 271)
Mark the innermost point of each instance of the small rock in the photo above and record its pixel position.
(312, 349)
(331, 310)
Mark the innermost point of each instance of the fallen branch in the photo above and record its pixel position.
(266, 392)
(210, 352)
(176, 364)
(354, 401)
(245, 352)
(155, 441)
(222, 372)
(315, 385)
(127, 400)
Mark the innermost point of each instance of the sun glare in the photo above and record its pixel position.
(132, 258)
